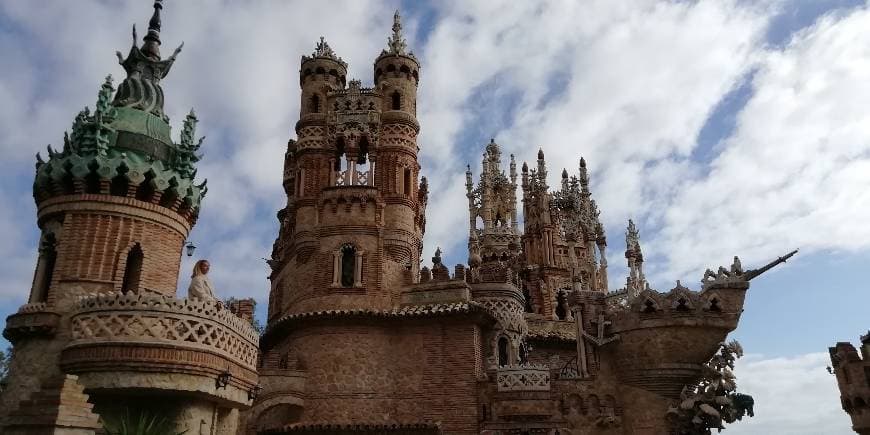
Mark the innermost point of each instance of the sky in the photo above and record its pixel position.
(725, 127)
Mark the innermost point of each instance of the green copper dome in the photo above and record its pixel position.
(124, 146)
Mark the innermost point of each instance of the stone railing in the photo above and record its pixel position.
(523, 378)
(31, 320)
(162, 334)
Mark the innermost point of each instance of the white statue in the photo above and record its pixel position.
(200, 286)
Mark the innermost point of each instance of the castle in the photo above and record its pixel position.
(527, 338)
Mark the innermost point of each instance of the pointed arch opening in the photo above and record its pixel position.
(503, 353)
(348, 266)
(314, 104)
(396, 101)
(44, 269)
(133, 270)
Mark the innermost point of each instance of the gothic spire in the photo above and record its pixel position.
(396, 43)
(151, 47)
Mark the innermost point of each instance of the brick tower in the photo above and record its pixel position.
(355, 211)
(115, 206)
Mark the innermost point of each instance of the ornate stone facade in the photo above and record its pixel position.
(528, 338)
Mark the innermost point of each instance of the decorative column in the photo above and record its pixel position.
(336, 268)
(357, 269)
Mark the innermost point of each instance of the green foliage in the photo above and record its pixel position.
(5, 360)
(141, 423)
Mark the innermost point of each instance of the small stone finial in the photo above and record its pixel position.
(564, 173)
(632, 241)
(151, 47)
(540, 154)
(396, 43)
(525, 167)
(104, 97)
(584, 176)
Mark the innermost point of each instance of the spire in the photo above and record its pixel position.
(141, 89)
(584, 176)
(396, 43)
(151, 47)
(632, 241)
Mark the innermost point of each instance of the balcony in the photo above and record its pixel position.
(157, 343)
(31, 320)
(523, 378)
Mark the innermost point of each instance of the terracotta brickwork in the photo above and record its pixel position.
(527, 339)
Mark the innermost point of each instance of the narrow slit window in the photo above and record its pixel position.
(315, 104)
(45, 268)
(397, 101)
(503, 351)
(407, 182)
(133, 270)
(348, 266)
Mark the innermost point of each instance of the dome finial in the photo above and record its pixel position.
(151, 47)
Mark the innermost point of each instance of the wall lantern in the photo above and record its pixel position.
(222, 380)
(189, 248)
(254, 392)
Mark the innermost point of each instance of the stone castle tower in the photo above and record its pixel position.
(355, 211)
(102, 332)
(528, 338)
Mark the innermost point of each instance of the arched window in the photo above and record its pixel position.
(407, 182)
(44, 268)
(133, 270)
(524, 354)
(348, 265)
(397, 101)
(339, 164)
(503, 351)
(314, 107)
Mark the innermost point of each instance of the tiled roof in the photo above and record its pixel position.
(411, 311)
(378, 428)
(551, 330)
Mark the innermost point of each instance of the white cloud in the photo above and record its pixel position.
(794, 396)
(638, 84)
(794, 172)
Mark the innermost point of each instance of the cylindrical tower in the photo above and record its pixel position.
(396, 74)
(115, 207)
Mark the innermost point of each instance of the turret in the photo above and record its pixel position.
(494, 204)
(319, 74)
(397, 73)
(121, 193)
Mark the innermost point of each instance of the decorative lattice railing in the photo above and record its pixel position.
(182, 333)
(523, 378)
